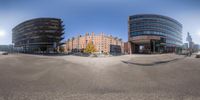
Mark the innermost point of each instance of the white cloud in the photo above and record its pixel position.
(2, 33)
(8, 21)
(198, 33)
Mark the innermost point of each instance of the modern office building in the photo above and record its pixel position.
(103, 43)
(185, 46)
(7, 48)
(190, 42)
(151, 33)
(126, 48)
(40, 35)
(195, 48)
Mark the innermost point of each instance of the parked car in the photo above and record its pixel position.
(4, 53)
(184, 52)
(198, 55)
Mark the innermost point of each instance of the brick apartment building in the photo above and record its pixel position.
(103, 43)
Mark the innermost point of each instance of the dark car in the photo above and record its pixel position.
(198, 56)
(4, 53)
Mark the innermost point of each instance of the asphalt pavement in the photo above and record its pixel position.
(130, 77)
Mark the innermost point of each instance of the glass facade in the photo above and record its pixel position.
(40, 34)
(156, 25)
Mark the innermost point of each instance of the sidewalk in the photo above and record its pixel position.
(148, 60)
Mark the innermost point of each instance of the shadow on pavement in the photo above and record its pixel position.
(153, 63)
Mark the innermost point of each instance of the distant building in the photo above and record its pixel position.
(150, 33)
(185, 46)
(103, 43)
(127, 48)
(115, 49)
(196, 47)
(190, 42)
(8, 48)
(38, 35)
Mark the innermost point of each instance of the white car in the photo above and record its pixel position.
(4, 53)
(198, 55)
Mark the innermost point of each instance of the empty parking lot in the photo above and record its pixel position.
(130, 77)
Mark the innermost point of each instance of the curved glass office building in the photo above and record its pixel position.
(38, 35)
(150, 33)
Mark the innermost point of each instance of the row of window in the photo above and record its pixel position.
(37, 27)
(156, 29)
(169, 27)
(155, 33)
(49, 40)
(162, 31)
(37, 32)
(173, 42)
(23, 37)
(35, 23)
(147, 23)
(155, 18)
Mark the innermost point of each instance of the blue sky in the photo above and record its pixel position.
(108, 16)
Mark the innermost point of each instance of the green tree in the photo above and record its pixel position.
(90, 48)
(61, 49)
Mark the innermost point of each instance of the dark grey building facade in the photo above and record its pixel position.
(151, 33)
(115, 49)
(38, 35)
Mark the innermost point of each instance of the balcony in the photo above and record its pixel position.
(61, 33)
(61, 43)
(61, 38)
